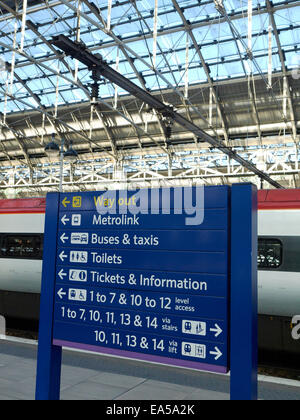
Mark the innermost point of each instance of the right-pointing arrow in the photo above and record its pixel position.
(217, 330)
(217, 353)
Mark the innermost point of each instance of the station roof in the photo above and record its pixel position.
(229, 66)
(132, 23)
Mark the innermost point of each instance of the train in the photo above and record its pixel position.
(21, 253)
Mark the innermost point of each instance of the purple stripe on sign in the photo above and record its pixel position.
(143, 357)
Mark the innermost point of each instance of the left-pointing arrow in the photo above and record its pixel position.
(62, 256)
(217, 353)
(61, 293)
(62, 274)
(64, 238)
(65, 219)
(65, 202)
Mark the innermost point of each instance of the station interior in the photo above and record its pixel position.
(110, 95)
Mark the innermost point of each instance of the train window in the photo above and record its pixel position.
(22, 246)
(269, 253)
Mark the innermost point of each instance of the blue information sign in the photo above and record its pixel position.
(129, 282)
(143, 274)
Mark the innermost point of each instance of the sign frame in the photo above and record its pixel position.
(242, 295)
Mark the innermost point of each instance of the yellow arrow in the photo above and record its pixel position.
(65, 202)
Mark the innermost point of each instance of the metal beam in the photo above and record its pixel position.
(21, 144)
(222, 10)
(206, 69)
(251, 82)
(96, 63)
(94, 9)
(284, 68)
(154, 169)
(133, 53)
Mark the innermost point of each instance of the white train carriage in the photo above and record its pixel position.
(279, 252)
(21, 240)
(21, 252)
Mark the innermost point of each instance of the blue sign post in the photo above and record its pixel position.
(244, 311)
(146, 274)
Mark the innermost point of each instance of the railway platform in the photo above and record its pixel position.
(87, 376)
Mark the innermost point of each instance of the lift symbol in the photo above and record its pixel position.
(194, 350)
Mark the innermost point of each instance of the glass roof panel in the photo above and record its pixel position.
(289, 38)
(37, 65)
(292, 60)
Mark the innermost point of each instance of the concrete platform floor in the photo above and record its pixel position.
(87, 376)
